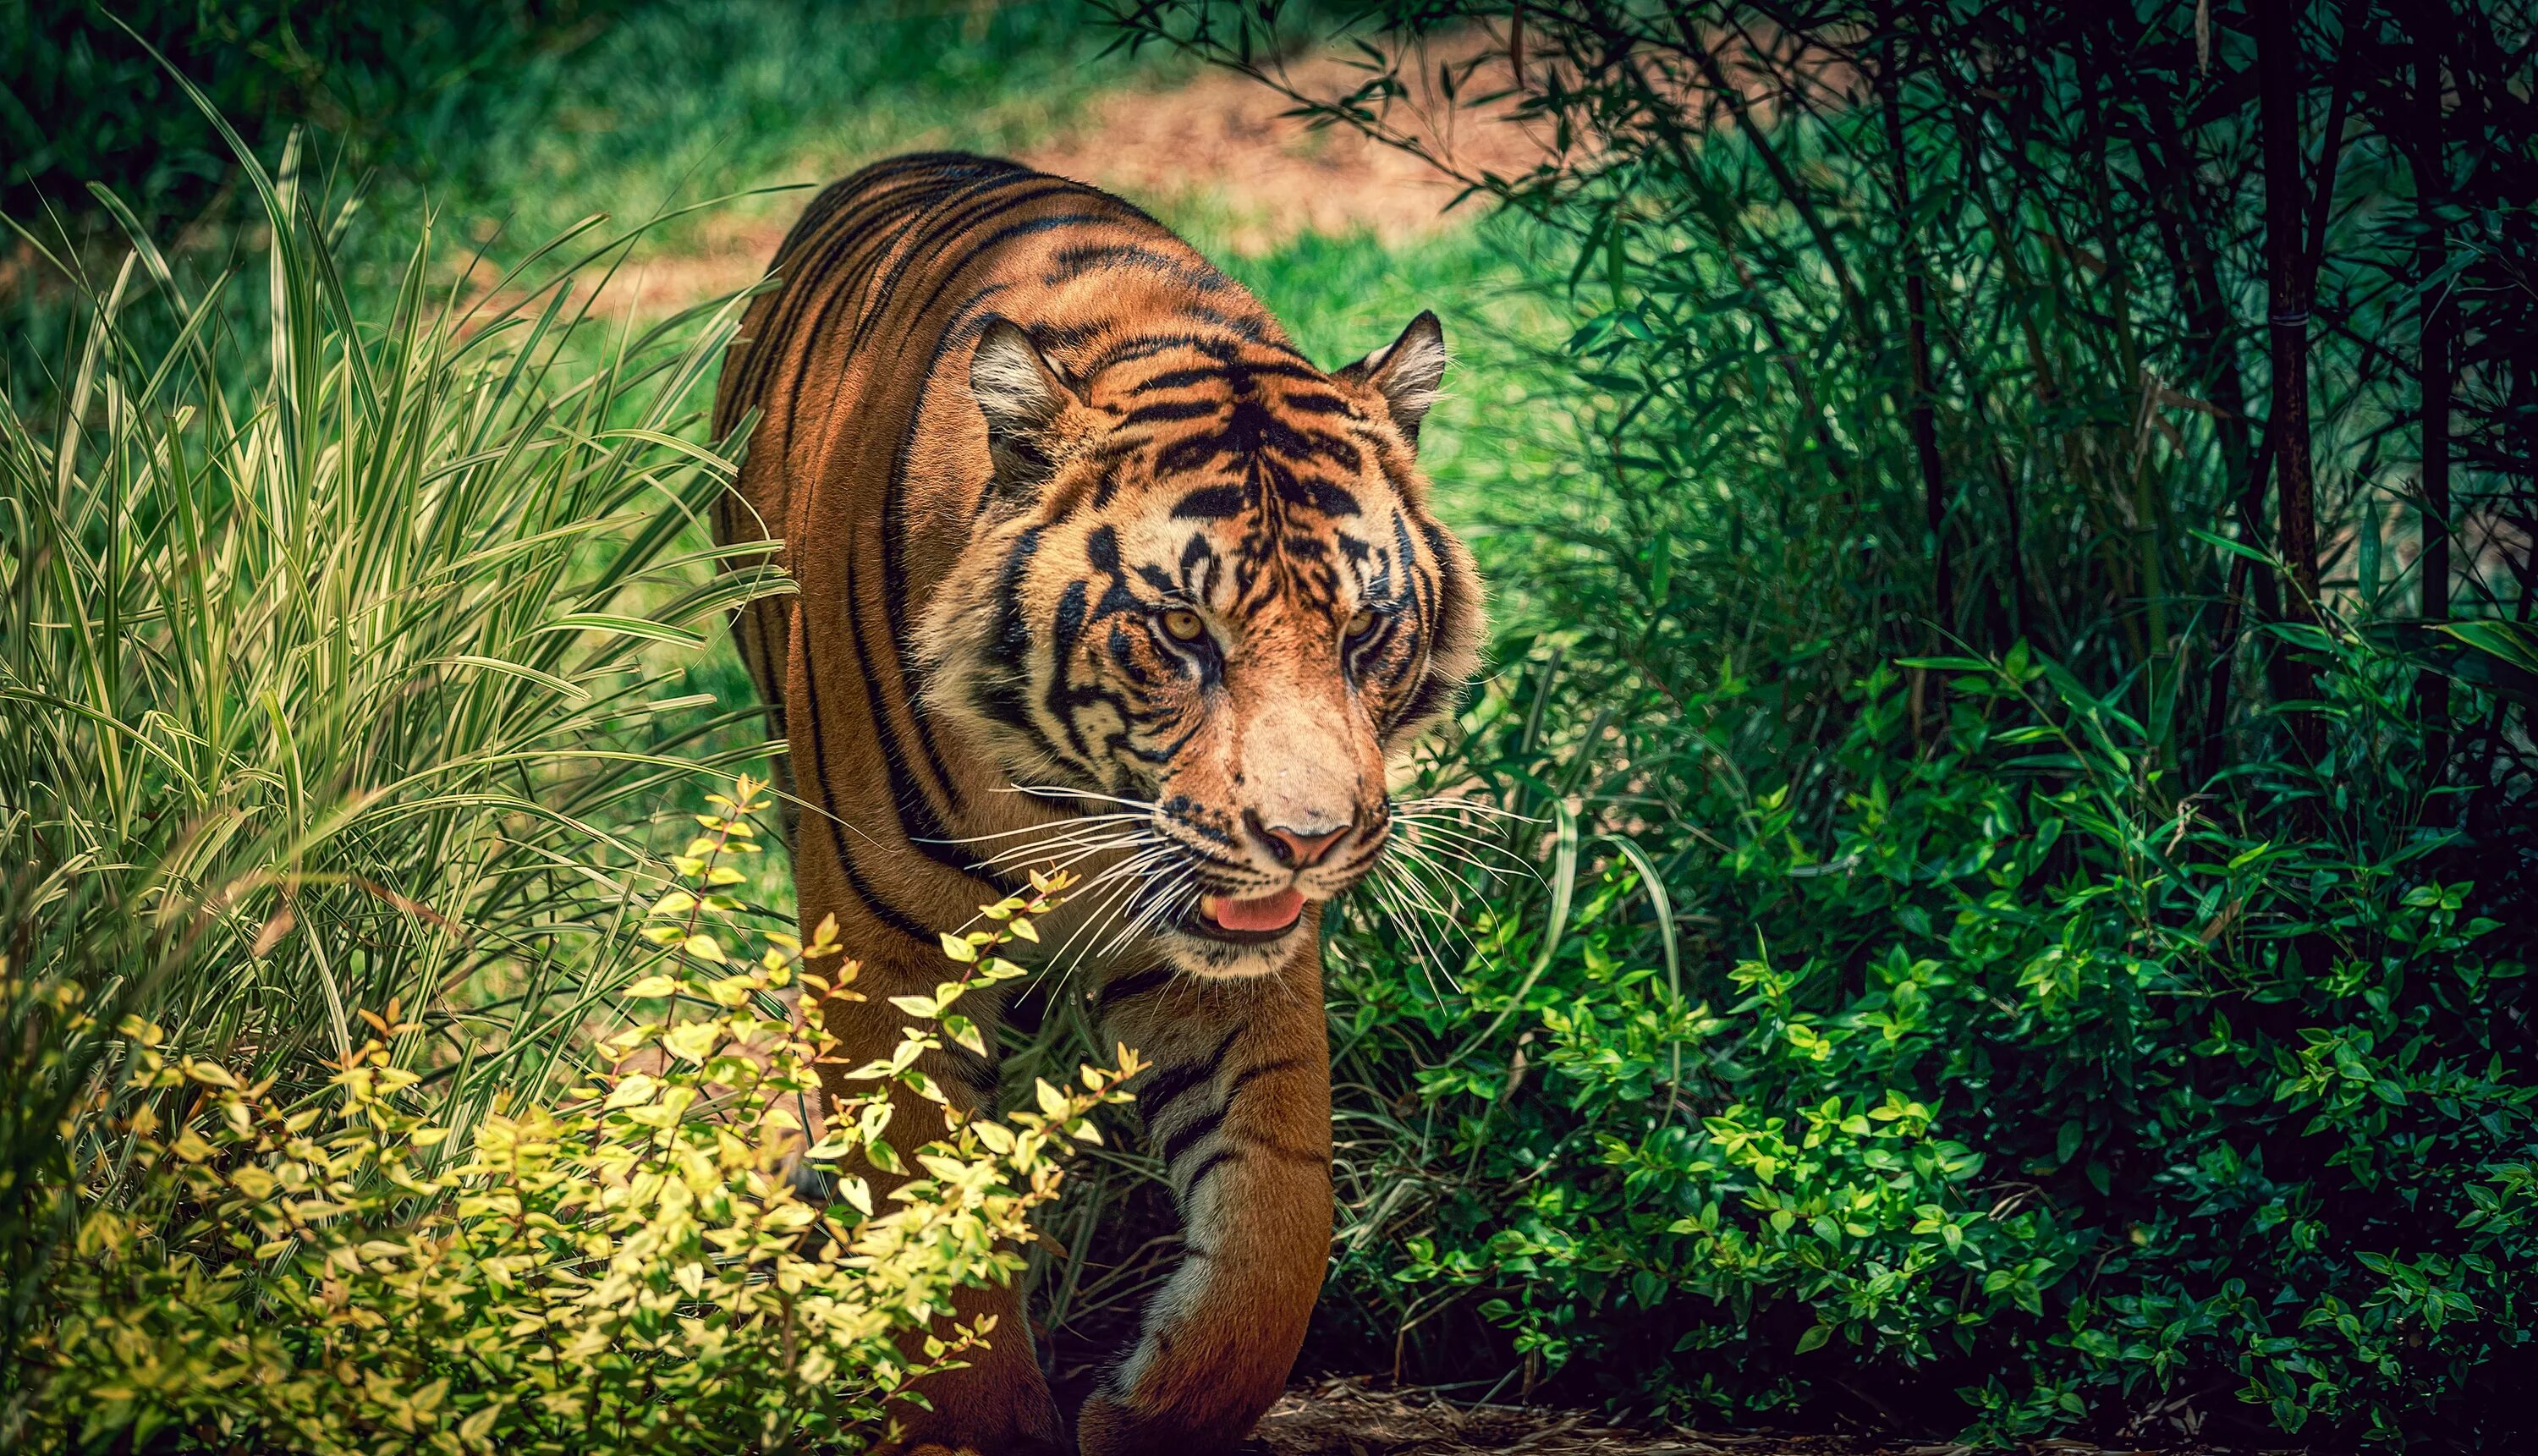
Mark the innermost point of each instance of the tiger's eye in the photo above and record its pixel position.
(1184, 625)
(1362, 624)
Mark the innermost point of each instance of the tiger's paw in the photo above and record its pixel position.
(1108, 1427)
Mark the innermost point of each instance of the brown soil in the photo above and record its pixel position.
(1354, 1417)
(1228, 138)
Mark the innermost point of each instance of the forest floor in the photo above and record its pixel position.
(1355, 1418)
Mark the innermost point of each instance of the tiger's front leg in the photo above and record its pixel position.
(1238, 1106)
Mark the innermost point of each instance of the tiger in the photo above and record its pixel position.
(1091, 562)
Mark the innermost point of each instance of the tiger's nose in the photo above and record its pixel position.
(1298, 848)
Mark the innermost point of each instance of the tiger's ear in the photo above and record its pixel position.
(1023, 394)
(1407, 374)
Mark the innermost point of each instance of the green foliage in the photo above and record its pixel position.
(676, 101)
(630, 1270)
(2042, 1079)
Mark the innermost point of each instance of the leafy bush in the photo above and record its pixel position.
(334, 653)
(630, 1270)
(2040, 1085)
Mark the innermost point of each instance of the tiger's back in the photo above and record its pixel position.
(1067, 511)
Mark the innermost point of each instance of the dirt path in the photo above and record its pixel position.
(1353, 1417)
(1227, 138)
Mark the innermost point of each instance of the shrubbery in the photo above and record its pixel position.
(2033, 809)
(2040, 1084)
(630, 1270)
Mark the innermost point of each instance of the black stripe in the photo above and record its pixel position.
(971, 252)
(1207, 1165)
(1257, 1070)
(1186, 409)
(1191, 1134)
(1432, 693)
(1212, 504)
(1307, 403)
(924, 242)
(1074, 262)
(919, 822)
(1223, 350)
(889, 915)
(1173, 1083)
(1130, 987)
(908, 795)
(976, 1072)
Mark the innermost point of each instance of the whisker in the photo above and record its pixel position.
(1403, 906)
(1389, 896)
(1068, 959)
(1081, 821)
(1064, 847)
(1423, 896)
(1438, 857)
(1069, 857)
(1161, 899)
(1466, 806)
(1124, 871)
(1057, 965)
(1421, 829)
(1437, 884)
(1456, 888)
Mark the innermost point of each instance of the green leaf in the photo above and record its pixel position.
(631, 627)
(2510, 641)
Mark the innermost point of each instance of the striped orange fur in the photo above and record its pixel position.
(1069, 513)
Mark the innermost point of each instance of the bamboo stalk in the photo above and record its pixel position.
(1920, 410)
(2431, 23)
(2287, 300)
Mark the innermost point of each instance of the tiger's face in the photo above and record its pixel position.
(1214, 607)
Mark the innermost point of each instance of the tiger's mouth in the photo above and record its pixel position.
(1246, 922)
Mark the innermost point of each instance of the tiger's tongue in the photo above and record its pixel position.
(1268, 913)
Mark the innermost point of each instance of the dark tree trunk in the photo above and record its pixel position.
(1920, 411)
(2430, 21)
(2287, 307)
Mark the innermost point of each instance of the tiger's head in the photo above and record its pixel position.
(1209, 599)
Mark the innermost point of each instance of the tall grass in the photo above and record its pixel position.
(343, 648)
